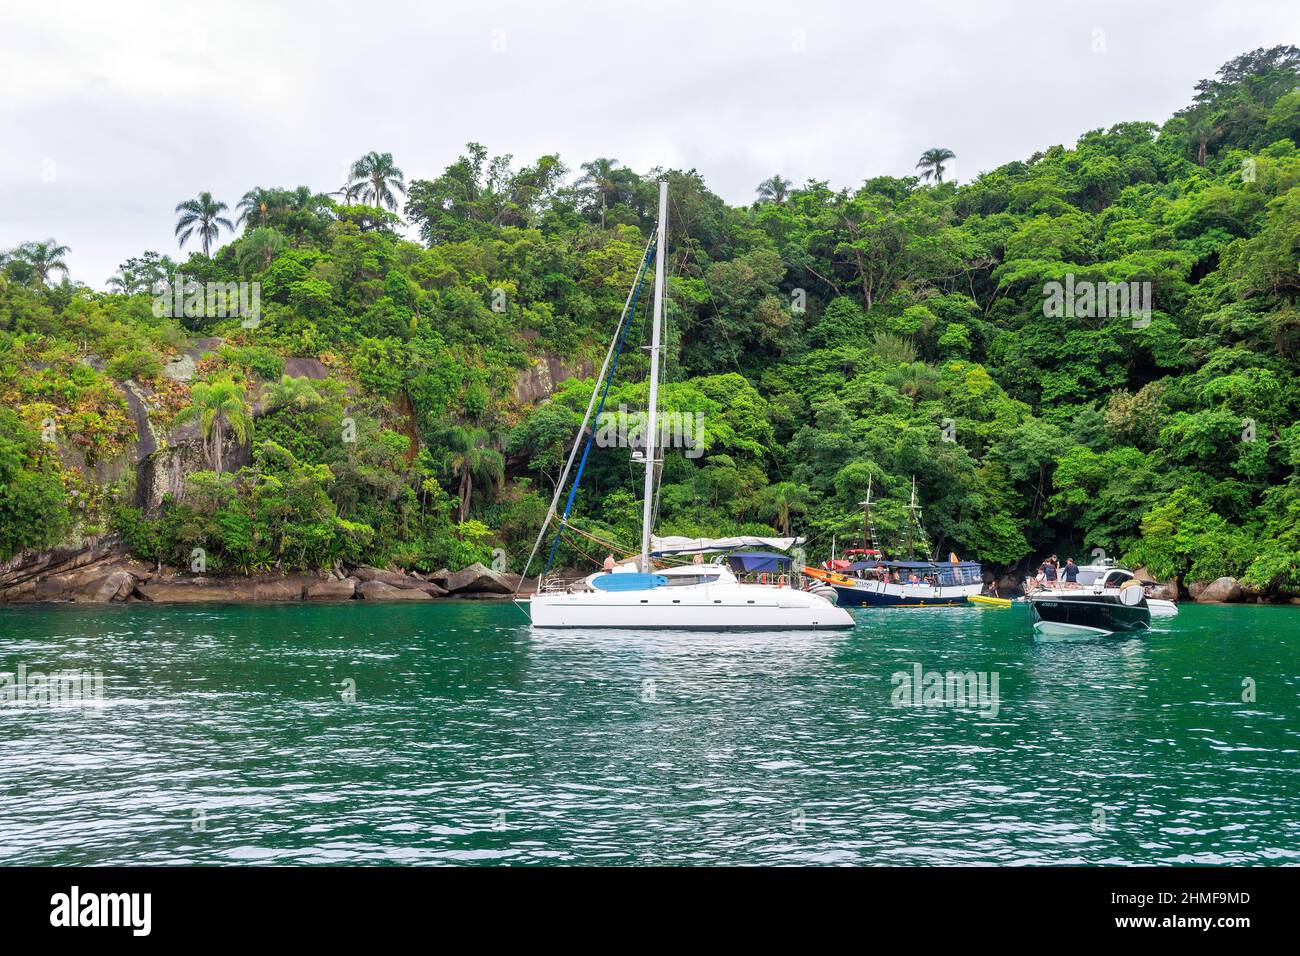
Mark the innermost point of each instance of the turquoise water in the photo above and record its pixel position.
(228, 735)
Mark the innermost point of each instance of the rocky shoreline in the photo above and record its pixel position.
(102, 571)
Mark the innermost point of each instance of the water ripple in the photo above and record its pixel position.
(451, 734)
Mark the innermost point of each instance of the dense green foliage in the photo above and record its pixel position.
(828, 337)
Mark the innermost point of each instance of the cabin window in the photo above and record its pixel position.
(679, 580)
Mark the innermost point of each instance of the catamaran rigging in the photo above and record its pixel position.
(637, 594)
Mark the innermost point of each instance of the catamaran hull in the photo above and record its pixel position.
(784, 609)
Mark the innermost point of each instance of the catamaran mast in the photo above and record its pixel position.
(652, 418)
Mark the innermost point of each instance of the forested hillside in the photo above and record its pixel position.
(899, 328)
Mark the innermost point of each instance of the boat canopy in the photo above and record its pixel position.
(749, 562)
(677, 544)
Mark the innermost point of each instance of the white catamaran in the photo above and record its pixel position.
(695, 596)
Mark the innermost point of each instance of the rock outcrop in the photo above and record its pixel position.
(99, 571)
(398, 579)
(1162, 590)
(1219, 591)
(379, 591)
(477, 579)
(330, 590)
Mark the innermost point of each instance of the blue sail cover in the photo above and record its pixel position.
(628, 581)
(751, 562)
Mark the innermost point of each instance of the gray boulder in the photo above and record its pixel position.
(395, 579)
(379, 591)
(114, 586)
(330, 590)
(476, 579)
(1223, 590)
(274, 588)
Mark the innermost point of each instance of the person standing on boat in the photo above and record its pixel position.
(609, 563)
(1049, 573)
(1071, 573)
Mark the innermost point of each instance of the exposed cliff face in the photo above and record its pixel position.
(547, 372)
(163, 473)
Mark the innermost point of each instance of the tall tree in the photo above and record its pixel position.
(297, 392)
(774, 189)
(598, 177)
(257, 206)
(218, 406)
(204, 215)
(780, 502)
(259, 248)
(470, 459)
(377, 177)
(43, 258)
(931, 163)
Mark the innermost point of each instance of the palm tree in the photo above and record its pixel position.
(780, 501)
(217, 406)
(931, 163)
(469, 458)
(373, 178)
(259, 249)
(599, 179)
(203, 214)
(257, 206)
(774, 189)
(349, 192)
(297, 392)
(43, 258)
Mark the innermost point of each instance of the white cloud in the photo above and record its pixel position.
(140, 105)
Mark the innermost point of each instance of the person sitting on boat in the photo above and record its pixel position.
(609, 563)
(1071, 573)
(912, 578)
(992, 589)
(698, 559)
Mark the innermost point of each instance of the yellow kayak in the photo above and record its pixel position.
(990, 601)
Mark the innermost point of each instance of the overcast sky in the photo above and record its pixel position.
(112, 113)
